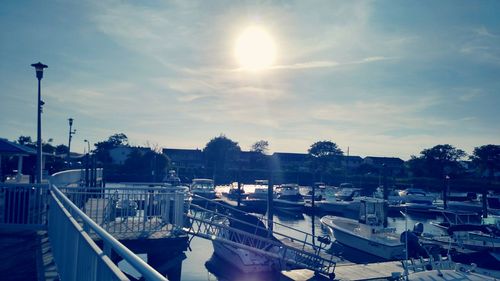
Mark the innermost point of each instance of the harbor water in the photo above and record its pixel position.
(202, 264)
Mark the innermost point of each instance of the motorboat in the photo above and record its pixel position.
(234, 192)
(368, 233)
(443, 269)
(256, 200)
(338, 207)
(203, 187)
(416, 195)
(288, 198)
(472, 236)
(260, 190)
(347, 193)
(246, 261)
(320, 192)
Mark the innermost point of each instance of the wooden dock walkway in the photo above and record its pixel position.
(355, 272)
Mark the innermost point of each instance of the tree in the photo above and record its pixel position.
(220, 152)
(61, 149)
(118, 139)
(443, 159)
(102, 148)
(261, 146)
(323, 155)
(142, 165)
(487, 159)
(26, 140)
(440, 160)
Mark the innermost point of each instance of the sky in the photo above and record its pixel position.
(384, 78)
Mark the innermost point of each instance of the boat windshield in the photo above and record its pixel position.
(203, 184)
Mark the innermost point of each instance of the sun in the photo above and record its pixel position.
(255, 49)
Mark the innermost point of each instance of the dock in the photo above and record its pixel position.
(356, 272)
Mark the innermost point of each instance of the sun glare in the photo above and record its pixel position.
(255, 49)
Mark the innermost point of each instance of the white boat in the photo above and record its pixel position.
(347, 193)
(203, 187)
(444, 270)
(368, 233)
(288, 198)
(338, 207)
(260, 190)
(415, 195)
(245, 260)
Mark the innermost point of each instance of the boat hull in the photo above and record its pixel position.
(364, 244)
(246, 261)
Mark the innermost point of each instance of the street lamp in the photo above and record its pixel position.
(88, 146)
(39, 75)
(71, 133)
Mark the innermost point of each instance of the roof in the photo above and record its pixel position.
(8, 147)
(385, 160)
(287, 156)
(352, 158)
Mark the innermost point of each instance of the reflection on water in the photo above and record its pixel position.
(201, 264)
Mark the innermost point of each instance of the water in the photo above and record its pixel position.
(202, 265)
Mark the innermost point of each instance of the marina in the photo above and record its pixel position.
(249, 140)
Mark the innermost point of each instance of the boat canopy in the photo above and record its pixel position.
(372, 211)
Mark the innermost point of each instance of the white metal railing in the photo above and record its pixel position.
(76, 255)
(75, 177)
(23, 206)
(131, 209)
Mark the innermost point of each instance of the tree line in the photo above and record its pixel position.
(222, 161)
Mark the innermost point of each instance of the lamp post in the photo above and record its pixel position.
(39, 75)
(88, 146)
(71, 133)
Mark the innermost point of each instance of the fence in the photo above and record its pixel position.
(77, 256)
(131, 209)
(23, 206)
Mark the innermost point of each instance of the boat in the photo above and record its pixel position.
(260, 190)
(234, 192)
(347, 193)
(415, 195)
(288, 198)
(320, 192)
(368, 233)
(245, 260)
(256, 201)
(443, 269)
(203, 188)
(477, 237)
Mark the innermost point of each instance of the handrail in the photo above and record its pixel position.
(138, 264)
(257, 227)
(261, 217)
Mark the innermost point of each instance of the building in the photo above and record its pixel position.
(394, 165)
(290, 161)
(351, 162)
(185, 158)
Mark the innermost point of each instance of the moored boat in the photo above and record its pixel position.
(368, 233)
(288, 198)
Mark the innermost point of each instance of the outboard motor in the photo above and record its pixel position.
(418, 229)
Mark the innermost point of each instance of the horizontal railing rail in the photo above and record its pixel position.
(75, 177)
(69, 233)
(23, 206)
(279, 229)
(137, 209)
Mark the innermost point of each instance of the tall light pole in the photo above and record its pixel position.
(88, 146)
(39, 75)
(71, 133)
